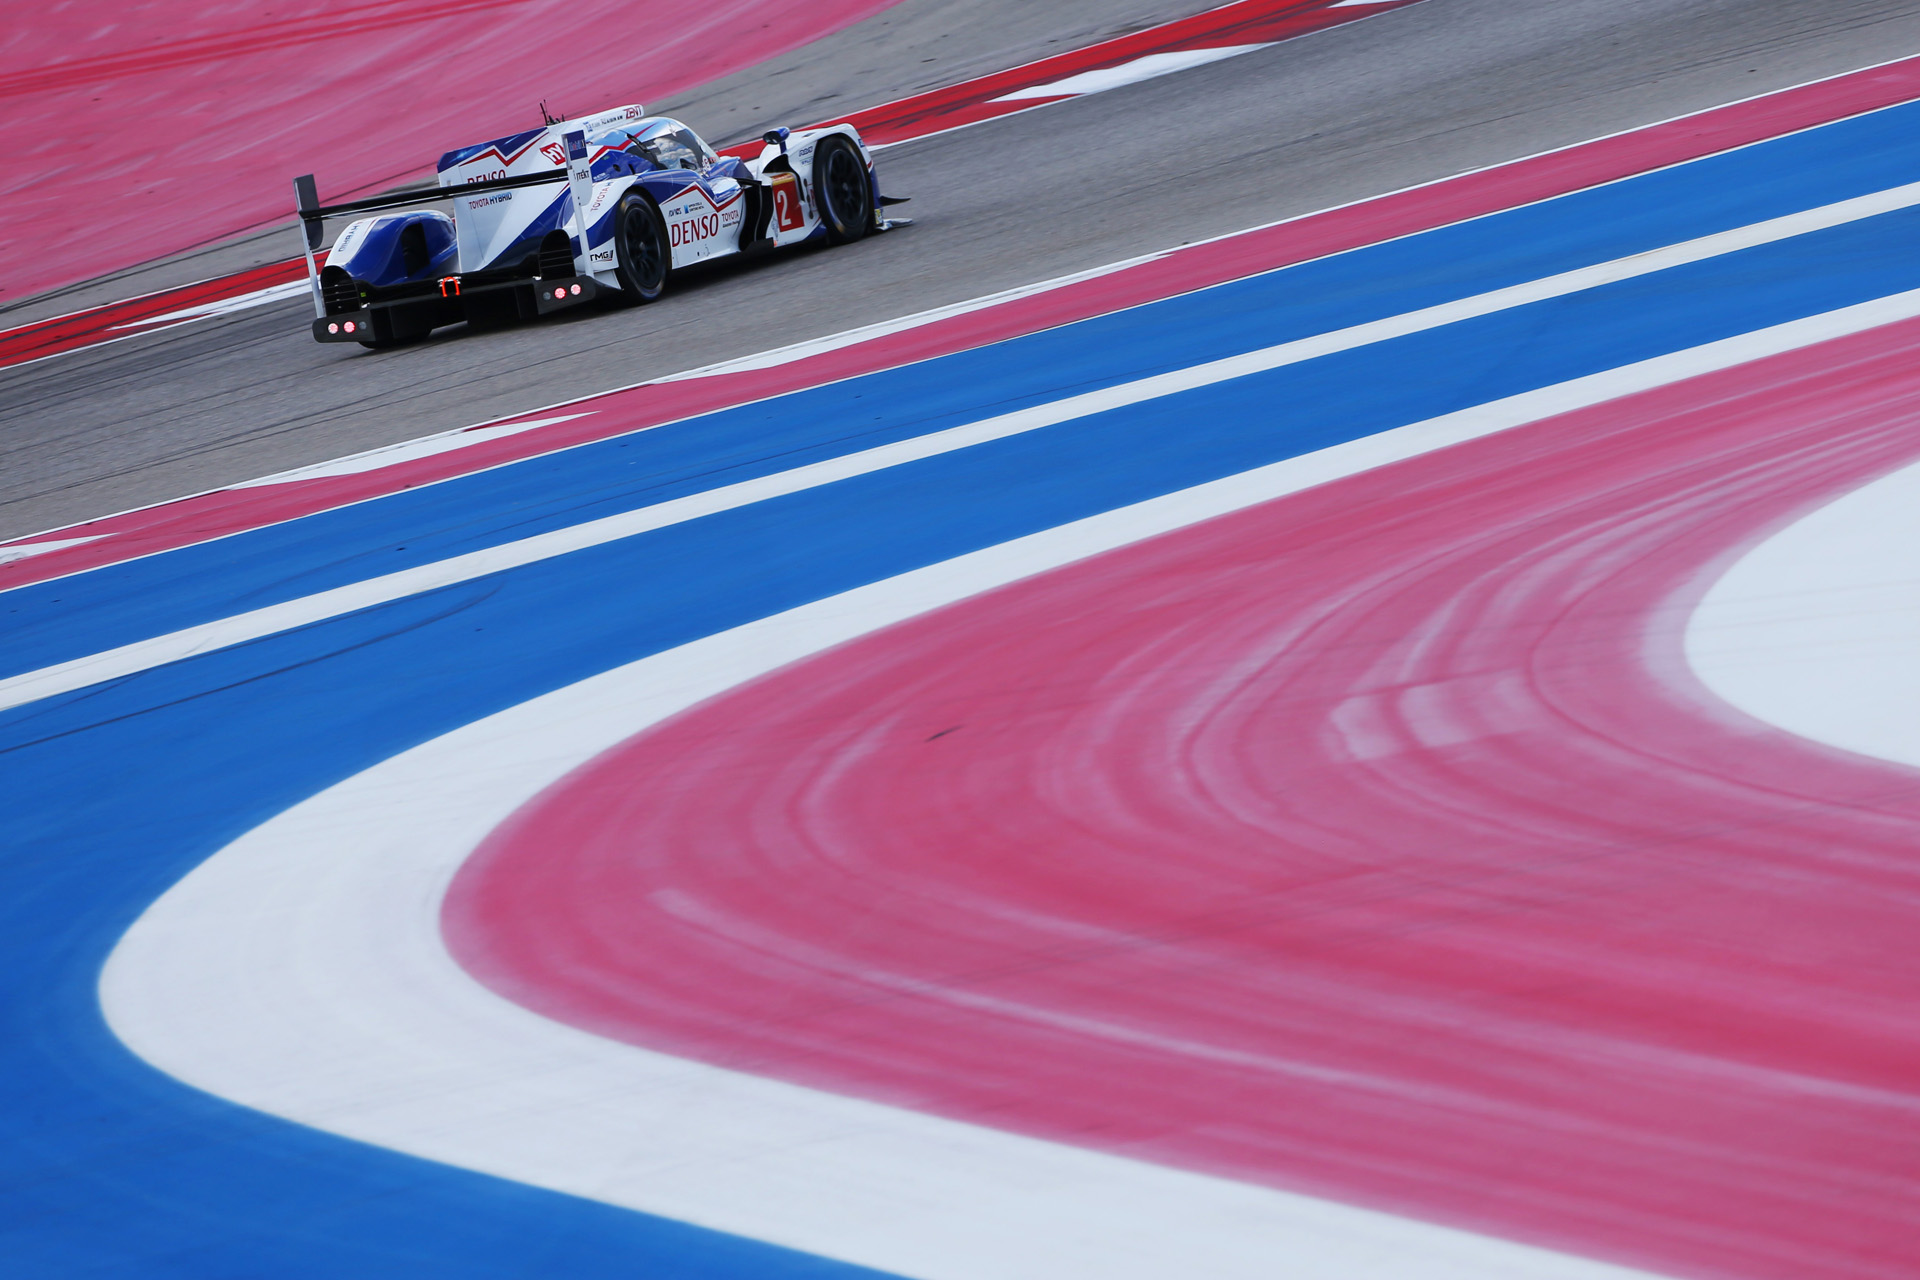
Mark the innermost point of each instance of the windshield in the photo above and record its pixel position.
(669, 144)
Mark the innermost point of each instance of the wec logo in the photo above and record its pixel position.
(554, 152)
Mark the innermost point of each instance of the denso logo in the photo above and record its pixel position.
(554, 152)
(693, 229)
(488, 176)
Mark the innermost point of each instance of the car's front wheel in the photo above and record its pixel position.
(841, 185)
(642, 258)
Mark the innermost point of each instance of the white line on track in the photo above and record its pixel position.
(407, 451)
(1150, 67)
(777, 356)
(160, 324)
(222, 306)
(21, 550)
(256, 624)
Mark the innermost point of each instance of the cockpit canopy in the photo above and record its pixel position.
(667, 144)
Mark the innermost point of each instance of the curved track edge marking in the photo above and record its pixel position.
(300, 971)
(1816, 629)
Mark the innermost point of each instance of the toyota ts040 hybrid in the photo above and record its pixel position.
(607, 205)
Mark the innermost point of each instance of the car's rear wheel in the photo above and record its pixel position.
(841, 185)
(642, 259)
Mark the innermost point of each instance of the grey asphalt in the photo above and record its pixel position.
(1400, 98)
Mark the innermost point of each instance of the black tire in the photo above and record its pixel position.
(843, 189)
(643, 258)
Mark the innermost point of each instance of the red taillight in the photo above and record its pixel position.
(333, 328)
(560, 293)
(349, 326)
(576, 289)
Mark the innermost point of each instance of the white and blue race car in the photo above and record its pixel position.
(609, 205)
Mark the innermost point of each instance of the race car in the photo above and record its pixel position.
(607, 205)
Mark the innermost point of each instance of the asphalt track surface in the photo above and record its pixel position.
(1161, 49)
(1570, 954)
(1400, 98)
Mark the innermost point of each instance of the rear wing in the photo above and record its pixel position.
(313, 214)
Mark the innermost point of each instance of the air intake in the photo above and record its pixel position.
(556, 256)
(338, 291)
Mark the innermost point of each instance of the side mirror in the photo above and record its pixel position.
(777, 138)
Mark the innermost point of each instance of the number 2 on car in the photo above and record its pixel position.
(786, 202)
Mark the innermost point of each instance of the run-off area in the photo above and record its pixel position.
(132, 783)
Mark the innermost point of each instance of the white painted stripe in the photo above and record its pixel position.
(1817, 629)
(407, 451)
(1150, 67)
(240, 628)
(223, 306)
(21, 550)
(300, 971)
(866, 333)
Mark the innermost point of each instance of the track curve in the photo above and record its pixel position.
(1376, 842)
(1388, 811)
